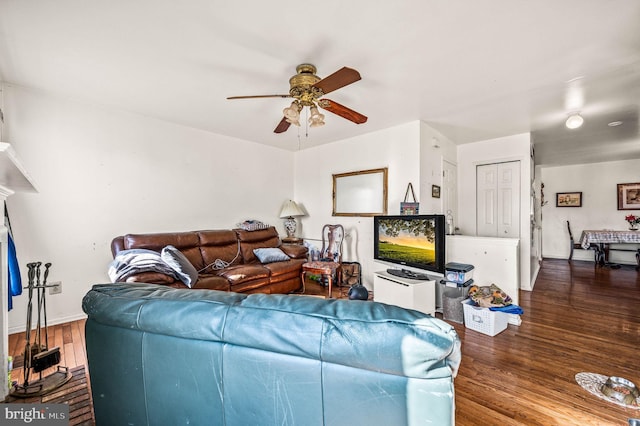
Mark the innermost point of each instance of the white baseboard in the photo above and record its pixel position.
(71, 318)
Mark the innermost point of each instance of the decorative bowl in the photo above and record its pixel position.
(621, 390)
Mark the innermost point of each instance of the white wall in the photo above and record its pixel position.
(407, 152)
(509, 148)
(431, 159)
(598, 184)
(396, 148)
(103, 173)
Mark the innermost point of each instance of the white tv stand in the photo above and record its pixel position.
(404, 292)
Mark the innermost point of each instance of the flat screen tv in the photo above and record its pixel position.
(413, 241)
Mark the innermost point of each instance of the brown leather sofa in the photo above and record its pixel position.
(244, 274)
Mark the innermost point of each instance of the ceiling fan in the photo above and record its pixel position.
(308, 90)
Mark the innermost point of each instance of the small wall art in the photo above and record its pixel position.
(568, 199)
(435, 191)
(629, 196)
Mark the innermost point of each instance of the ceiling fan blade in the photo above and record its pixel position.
(259, 96)
(342, 111)
(344, 76)
(283, 126)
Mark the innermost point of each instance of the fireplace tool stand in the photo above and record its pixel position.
(37, 356)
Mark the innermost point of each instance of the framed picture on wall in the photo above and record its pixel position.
(629, 196)
(568, 199)
(435, 191)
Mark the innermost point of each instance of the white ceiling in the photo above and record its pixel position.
(471, 69)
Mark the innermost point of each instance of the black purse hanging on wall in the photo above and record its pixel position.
(409, 208)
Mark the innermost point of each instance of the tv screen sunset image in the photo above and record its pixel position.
(407, 241)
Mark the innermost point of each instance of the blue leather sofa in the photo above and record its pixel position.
(163, 356)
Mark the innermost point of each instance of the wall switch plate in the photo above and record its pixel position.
(56, 287)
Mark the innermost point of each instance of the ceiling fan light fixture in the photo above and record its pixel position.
(316, 123)
(292, 113)
(316, 119)
(574, 121)
(308, 90)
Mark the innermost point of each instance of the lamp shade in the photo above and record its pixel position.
(290, 209)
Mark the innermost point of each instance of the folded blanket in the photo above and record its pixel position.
(136, 261)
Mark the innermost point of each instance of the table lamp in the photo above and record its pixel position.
(289, 210)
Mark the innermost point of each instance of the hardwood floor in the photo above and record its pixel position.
(577, 319)
(69, 337)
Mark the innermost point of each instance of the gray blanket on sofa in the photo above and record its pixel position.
(136, 261)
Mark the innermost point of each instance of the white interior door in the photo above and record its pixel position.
(508, 200)
(498, 200)
(487, 200)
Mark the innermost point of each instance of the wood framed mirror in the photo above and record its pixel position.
(362, 193)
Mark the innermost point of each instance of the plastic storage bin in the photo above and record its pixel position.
(458, 272)
(484, 320)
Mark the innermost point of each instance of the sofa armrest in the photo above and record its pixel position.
(117, 245)
(294, 251)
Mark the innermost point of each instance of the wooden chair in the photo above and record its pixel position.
(329, 266)
(573, 245)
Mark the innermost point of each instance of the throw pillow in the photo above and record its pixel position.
(269, 255)
(179, 263)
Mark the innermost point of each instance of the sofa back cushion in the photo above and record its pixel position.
(250, 240)
(187, 242)
(219, 245)
(253, 352)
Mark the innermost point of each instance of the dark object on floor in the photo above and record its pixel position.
(352, 276)
(358, 292)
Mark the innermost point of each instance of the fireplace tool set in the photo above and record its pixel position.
(37, 355)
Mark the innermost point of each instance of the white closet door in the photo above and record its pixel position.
(487, 200)
(508, 200)
(498, 200)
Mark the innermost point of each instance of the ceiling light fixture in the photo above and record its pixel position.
(614, 123)
(316, 119)
(292, 113)
(308, 90)
(574, 121)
